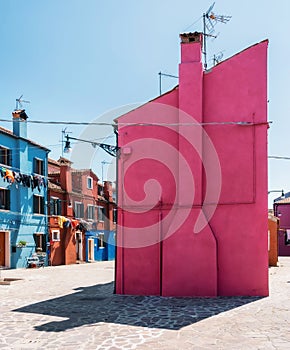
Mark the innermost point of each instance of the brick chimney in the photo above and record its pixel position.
(108, 191)
(191, 47)
(19, 123)
(65, 174)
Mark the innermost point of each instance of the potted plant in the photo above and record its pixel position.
(21, 244)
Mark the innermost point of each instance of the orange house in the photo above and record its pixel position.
(77, 203)
(273, 228)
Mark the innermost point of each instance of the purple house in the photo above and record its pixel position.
(282, 211)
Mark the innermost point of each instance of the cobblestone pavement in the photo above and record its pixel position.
(73, 307)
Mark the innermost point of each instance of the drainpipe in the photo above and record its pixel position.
(116, 189)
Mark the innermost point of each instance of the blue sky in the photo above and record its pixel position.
(77, 59)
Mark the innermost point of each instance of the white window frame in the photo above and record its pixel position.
(57, 238)
(39, 162)
(53, 201)
(101, 209)
(90, 184)
(93, 212)
(75, 206)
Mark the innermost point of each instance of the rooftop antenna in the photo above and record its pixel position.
(217, 57)
(210, 19)
(160, 80)
(19, 102)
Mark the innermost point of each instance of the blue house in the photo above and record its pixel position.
(23, 195)
(100, 245)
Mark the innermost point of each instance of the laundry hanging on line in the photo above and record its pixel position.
(33, 181)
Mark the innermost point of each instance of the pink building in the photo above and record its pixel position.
(192, 182)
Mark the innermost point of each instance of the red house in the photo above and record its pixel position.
(192, 182)
(77, 203)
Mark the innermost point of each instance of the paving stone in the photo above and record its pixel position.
(73, 307)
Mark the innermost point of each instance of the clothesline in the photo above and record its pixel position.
(62, 221)
(13, 177)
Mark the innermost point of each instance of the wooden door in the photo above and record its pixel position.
(2, 248)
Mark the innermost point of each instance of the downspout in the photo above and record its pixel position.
(46, 221)
(117, 158)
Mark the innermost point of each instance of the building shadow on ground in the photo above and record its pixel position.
(95, 304)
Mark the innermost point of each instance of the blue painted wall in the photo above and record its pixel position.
(20, 220)
(101, 254)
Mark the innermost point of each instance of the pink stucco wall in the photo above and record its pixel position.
(192, 181)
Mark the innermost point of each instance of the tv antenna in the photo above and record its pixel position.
(160, 79)
(19, 102)
(218, 57)
(210, 20)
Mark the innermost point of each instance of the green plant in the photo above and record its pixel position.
(21, 243)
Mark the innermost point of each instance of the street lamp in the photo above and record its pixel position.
(282, 192)
(112, 150)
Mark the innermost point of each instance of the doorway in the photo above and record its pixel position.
(79, 245)
(91, 247)
(4, 249)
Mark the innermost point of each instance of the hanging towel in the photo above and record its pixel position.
(9, 176)
(61, 220)
(74, 223)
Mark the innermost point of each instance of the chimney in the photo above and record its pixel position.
(108, 191)
(65, 174)
(19, 123)
(191, 75)
(191, 47)
(191, 102)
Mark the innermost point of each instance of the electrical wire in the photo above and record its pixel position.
(193, 23)
(279, 157)
(243, 123)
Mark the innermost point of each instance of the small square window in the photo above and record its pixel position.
(55, 235)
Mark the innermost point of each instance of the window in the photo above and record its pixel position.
(101, 238)
(40, 241)
(90, 212)
(38, 166)
(55, 235)
(38, 204)
(79, 210)
(5, 156)
(101, 213)
(115, 215)
(4, 199)
(55, 206)
(89, 183)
